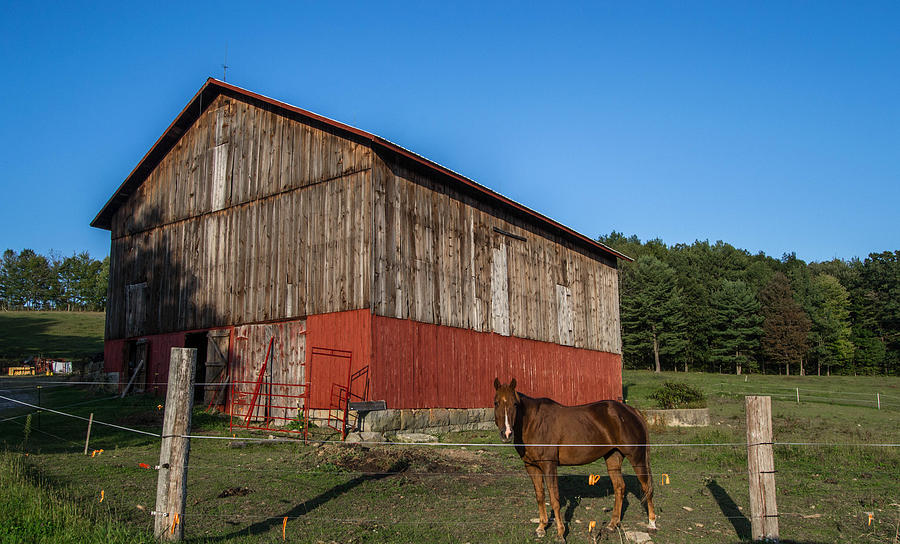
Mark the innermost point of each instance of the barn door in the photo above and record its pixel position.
(135, 309)
(136, 366)
(216, 367)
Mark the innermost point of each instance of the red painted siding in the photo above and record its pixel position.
(158, 353)
(418, 365)
(415, 365)
(158, 357)
(349, 331)
(113, 355)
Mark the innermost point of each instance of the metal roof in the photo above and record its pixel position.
(214, 87)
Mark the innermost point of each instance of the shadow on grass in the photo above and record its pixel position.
(730, 510)
(306, 507)
(26, 334)
(574, 490)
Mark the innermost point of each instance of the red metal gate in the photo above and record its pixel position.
(343, 391)
(265, 405)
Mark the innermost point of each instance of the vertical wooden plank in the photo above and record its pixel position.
(500, 291)
(382, 238)
(397, 282)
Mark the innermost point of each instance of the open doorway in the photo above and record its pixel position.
(136, 365)
(197, 340)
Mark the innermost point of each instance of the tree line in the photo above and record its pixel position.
(31, 281)
(717, 308)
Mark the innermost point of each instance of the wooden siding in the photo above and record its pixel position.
(442, 257)
(455, 368)
(286, 236)
(257, 217)
(285, 365)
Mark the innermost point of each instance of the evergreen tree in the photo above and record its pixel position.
(735, 336)
(831, 329)
(652, 317)
(785, 325)
(12, 281)
(880, 286)
(691, 264)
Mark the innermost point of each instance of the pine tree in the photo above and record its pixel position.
(831, 328)
(737, 329)
(652, 316)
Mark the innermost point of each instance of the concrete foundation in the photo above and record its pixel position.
(687, 417)
(431, 420)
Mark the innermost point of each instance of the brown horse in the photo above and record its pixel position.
(542, 428)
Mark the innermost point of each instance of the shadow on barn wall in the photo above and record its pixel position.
(157, 291)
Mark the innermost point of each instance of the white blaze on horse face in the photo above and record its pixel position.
(507, 429)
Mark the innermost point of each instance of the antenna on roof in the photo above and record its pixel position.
(225, 64)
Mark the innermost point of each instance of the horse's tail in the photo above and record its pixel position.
(647, 495)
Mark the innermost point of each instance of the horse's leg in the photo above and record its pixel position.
(537, 478)
(614, 468)
(553, 488)
(644, 474)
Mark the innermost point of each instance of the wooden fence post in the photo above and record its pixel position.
(171, 486)
(761, 465)
(88, 437)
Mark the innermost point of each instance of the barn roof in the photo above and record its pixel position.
(214, 87)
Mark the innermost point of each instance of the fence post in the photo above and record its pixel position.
(761, 465)
(171, 486)
(878, 399)
(87, 439)
(798, 395)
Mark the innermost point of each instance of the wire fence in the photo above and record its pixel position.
(688, 515)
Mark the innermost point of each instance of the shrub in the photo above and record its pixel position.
(678, 395)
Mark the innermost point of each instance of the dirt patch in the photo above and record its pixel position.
(235, 492)
(410, 460)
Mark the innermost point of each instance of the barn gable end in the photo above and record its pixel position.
(252, 219)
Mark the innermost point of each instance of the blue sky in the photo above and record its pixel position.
(774, 126)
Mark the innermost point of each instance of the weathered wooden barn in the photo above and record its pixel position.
(253, 224)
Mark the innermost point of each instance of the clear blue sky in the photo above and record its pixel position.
(774, 126)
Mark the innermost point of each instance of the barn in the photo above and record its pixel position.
(294, 250)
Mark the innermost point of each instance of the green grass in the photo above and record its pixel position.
(68, 335)
(478, 493)
(34, 510)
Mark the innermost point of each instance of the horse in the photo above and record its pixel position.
(547, 434)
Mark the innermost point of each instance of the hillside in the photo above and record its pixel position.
(67, 335)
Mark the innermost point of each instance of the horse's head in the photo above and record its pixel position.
(506, 400)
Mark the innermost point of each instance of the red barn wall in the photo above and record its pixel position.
(412, 364)
(348, 331)
(158, 354)
(419, 365)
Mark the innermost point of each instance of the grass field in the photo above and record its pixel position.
(242, 491)
(68, 335)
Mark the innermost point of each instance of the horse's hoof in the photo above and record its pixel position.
(651, 526)
(540, 532)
